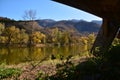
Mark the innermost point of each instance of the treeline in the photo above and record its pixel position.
(13, 35)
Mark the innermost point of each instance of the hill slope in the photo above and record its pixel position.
(74, 26)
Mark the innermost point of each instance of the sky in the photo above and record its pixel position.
(45, 9)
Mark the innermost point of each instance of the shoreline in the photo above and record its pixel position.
(32, 69)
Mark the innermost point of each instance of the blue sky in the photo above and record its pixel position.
(45, 9)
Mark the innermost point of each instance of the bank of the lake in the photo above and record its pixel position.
(33, 70)
(16, 55)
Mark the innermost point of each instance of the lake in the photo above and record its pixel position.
(14, 55)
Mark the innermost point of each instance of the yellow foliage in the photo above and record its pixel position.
(1, 28)
(3, 39)
(37, 37)
(84, 40)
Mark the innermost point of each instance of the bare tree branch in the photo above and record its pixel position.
(29, 15)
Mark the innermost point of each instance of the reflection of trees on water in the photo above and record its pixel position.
(18, 55)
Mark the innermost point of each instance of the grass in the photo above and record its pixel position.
(9, 72)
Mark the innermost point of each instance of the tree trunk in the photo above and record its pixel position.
(105, 37)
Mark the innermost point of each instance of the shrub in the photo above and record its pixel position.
(9, 72)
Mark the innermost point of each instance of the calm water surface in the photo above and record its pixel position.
(18, 55)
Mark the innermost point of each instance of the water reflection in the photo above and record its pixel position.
(18, 55)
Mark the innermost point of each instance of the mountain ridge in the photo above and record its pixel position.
(76, 26)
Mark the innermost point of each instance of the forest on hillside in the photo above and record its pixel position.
(13, 35)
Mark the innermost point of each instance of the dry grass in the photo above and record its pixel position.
(30, 70)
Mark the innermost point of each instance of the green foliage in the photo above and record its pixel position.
(9, 72)
(116, 42)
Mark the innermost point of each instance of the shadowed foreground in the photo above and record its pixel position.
(105, 67)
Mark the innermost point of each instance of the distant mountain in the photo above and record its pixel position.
(73, 26)
(98, 22)
(74, 20)
(84, 26)
(46, 22)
